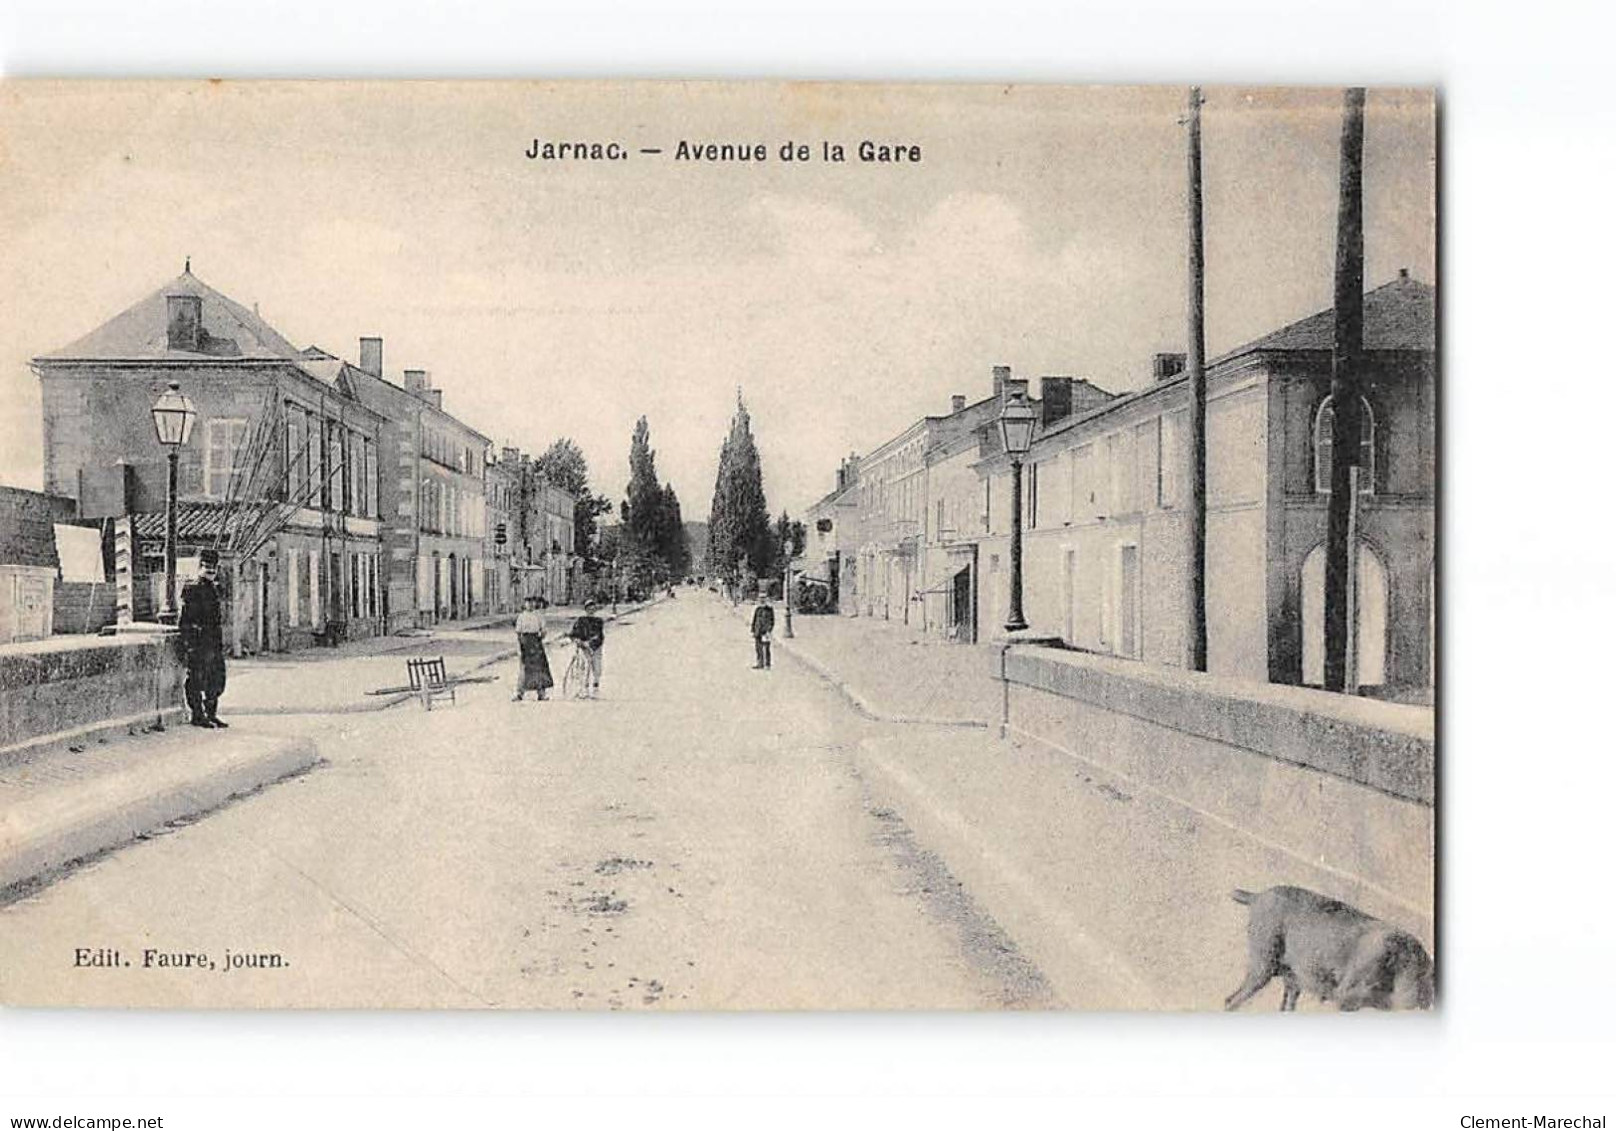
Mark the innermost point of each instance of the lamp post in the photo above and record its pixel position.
(173, 414)
(789, 547)
(1015, 429)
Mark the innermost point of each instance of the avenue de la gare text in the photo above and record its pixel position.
(866, 152)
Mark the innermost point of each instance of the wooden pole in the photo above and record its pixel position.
(1344, 393)
(1195, 362)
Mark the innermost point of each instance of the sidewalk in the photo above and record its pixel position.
(891, 671)
(66, 805)
(326, 681)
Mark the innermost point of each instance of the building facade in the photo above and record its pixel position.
(1106, 524)
(832, 539)
(1105, 509)
(502, 494)
(434, 496)
(279, 474)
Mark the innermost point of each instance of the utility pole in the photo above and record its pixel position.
(1195, 362)
(1345, 362)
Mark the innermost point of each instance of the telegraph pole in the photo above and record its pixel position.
(1195, 362)
(1345, 362)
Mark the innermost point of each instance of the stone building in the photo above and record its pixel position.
(550, 563)
(831, 524)
(433, 496)
(1105, 509)
(502, 495)
(1106, 523)
(279, 474)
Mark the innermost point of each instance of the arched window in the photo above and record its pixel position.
(1323, 446)
(1371, 606)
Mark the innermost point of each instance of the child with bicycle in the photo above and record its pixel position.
(588, 636)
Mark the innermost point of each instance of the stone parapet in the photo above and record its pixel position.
(1343, 787)
(71, 683)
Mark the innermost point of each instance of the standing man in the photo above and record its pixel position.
(762, 630)
(202, 639)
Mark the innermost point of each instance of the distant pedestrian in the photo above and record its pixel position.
(588, 635)
(202, 639)
(535, 674)
(762, 632)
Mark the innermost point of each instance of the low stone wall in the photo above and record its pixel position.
(1343, 787)
(73, 683)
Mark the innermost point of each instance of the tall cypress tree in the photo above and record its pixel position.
(644, 508)
(675, 542)
(738, 531)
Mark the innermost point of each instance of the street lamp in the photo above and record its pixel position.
(1015, 429)
(173, 414)
(789, 546)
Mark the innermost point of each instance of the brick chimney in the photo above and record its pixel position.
(184, 322)
(956, 403)
(416, 381)
(1055, 393)
(370, 356)
(1001, 374)
(1165, 365)
(433, 397)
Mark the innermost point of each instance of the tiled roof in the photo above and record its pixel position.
(1401, 315)
(198, 523)
(230, 332)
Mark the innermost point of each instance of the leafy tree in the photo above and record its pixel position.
(563, 465)
(785, 528)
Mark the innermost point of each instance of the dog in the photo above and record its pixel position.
(1331, 950)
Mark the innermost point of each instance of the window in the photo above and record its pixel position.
(297, 454)
(1172, 459)
(1324, 442)
(1369, 601)
(356, 475)
(294, 605)
(1084, 503)
(223, 456)
(1119, 473)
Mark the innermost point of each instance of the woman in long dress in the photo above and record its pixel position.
(535, 673)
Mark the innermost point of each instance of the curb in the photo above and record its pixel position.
(860, 704)
(93, 734)
(69, 835)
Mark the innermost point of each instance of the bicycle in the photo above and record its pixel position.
(575, 683)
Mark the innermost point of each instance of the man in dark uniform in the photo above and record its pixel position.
(202, 638)
(762, 630)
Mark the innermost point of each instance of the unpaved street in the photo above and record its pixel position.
(699, 838)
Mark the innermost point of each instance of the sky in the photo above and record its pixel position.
(1043, 228)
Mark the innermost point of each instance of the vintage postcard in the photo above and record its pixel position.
(717, 546)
